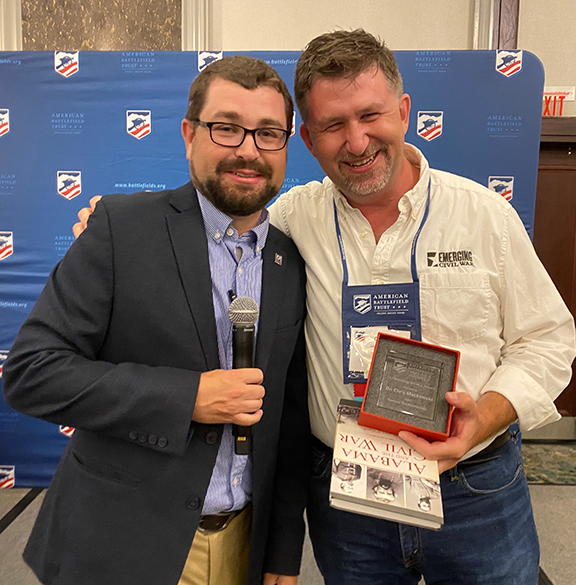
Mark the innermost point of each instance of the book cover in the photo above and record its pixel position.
(378, 474)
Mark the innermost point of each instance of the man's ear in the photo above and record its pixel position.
(404, 104)
(187, 134)
(305, 135)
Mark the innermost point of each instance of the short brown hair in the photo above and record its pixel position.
(248, 72)
(343, 54)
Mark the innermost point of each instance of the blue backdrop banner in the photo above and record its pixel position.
(77, 124)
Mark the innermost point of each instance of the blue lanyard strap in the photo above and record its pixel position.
(412, 249)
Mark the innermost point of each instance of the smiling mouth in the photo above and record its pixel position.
(246, 175)
(364, 162)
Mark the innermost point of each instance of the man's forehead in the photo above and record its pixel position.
(232, 102)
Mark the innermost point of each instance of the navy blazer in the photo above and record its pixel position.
(115, 347)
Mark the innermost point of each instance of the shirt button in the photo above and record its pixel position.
(211, 437)
(378, 281)
(217, 235)
(162, 442)
(240, 271)
(193, 503)
(365, 235)
(230, 232)
(236, 481)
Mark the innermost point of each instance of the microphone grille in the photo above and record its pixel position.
(243, 311)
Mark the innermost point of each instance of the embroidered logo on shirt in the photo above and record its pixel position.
(450, 259)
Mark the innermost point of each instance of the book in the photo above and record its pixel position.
(378, 474)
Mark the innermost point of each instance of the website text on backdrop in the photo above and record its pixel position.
(130, 343)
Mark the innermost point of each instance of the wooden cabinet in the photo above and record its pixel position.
(555, 220)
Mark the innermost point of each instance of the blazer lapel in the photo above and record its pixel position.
(274, 275)
(190, 247)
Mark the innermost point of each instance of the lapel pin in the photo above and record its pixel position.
(278, 259)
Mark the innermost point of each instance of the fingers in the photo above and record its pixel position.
(247, 420)
(230, 396)
(83, 215)
(94, 200)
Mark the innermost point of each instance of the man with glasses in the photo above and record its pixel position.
(131, 344)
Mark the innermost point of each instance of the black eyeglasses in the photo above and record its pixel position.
(233, 135)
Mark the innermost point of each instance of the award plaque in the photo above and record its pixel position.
(406, 387)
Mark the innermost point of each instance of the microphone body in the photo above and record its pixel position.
(243, 313)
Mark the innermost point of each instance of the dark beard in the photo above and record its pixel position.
(236, 201)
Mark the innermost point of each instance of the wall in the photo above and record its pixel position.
(548, 29)
(289, 25)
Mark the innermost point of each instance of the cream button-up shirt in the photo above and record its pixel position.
(483, 290)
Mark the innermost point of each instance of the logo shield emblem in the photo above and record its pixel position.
(207, 57)
(362, 303)
(4, 121)
(138, 123)
(69, 183)
(503, 186)
(3, 356)
(6, 244)
(68, 431)
(508, 62)
(7, 476)
(429, 125)
(67, 63)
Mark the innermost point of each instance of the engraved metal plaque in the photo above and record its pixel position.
(408, 381)
(410, 385)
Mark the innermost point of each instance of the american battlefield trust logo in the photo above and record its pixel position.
(138, 123)
(207, 57)
(4, 121)
(6, 244)
(362, 303)
(68, 431)
(67, 63)
(3, 357)
(429, 125)
(69, 184)
(503, 186)
(7, 476)
(508, 63)
(450, 259)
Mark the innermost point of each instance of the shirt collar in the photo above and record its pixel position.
(412, 200)
(218, 225)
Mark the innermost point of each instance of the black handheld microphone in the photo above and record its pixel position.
(243, 313)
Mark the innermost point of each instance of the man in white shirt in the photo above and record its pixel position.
(483, 292)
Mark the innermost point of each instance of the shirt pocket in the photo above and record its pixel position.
(454, 307)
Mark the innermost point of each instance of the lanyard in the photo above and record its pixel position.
(412, 248)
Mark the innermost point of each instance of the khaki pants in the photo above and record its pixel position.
(220, 558)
